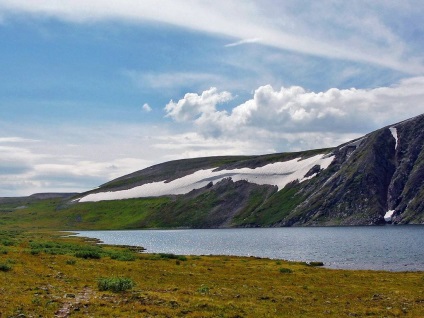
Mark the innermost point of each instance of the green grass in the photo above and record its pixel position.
(208, 286)
(277, 207)
(247, 215)
(54, 214)
(285, 270)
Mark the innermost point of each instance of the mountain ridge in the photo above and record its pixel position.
(376, 176)
(372, 180)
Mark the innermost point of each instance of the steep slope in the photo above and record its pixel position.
(371, 180)
(378, 175)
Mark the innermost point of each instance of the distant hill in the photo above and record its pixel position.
(36, 197)
(375, 179)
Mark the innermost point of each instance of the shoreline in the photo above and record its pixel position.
(401, 267)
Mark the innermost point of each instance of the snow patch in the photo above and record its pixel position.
(278, 174)
(389, 215)
(393, 130)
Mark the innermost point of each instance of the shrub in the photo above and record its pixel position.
(125, 256)
(35, 252)
(172, 256)
(88, 254)
(7, 242)
(115, 284)
(285, 270)
(5, 267)
(204, 289)
(71, 262)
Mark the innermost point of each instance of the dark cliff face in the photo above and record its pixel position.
(381, 172)
(354, 191)
(369, 177)
(406, 189)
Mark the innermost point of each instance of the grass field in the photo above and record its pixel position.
(43, 274)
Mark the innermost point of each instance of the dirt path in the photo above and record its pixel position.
(74, 302)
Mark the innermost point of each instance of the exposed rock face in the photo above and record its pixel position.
(406, 189)
(369, 177)
(381, 172)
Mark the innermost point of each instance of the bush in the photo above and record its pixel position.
(88, 254)
(115, 284)
(5, 267)
(285, 270)
(71, 262)
(125, 256)
(172, 256)
(7, 242)
(204, 289)
(35, 252)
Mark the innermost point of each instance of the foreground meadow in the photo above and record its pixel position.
(47, 275)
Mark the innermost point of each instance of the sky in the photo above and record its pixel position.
(92, 90)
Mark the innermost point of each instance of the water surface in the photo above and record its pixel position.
(395, 248)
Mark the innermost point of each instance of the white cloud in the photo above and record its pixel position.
(69, 159)
(15, 140)
(194, 105)
(296, 110)
(146, 108)
(353, 31)
(162, 81)
(241, 42)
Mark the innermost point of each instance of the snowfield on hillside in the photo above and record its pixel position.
(278, 174)
(393, 130)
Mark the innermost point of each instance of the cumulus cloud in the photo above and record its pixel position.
(146, 108)
(296, 110)
(194, 106)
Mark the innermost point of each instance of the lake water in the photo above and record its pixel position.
(394, 248)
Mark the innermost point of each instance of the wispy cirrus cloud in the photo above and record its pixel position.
(170, 80)
(245, 41)
(15, 140)
(313, 29)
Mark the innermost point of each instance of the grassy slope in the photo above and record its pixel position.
(53, 214)
(279, 205)
(46, 278)
(196, 211)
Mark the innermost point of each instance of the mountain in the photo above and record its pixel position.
(371, 180)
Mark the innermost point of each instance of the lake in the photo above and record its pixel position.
(393, 248)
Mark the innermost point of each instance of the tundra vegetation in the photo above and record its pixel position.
(46, 274)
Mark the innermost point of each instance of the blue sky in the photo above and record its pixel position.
(92, 90)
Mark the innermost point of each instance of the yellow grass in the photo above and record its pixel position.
(44, 285)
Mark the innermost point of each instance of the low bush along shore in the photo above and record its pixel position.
(47, 275)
